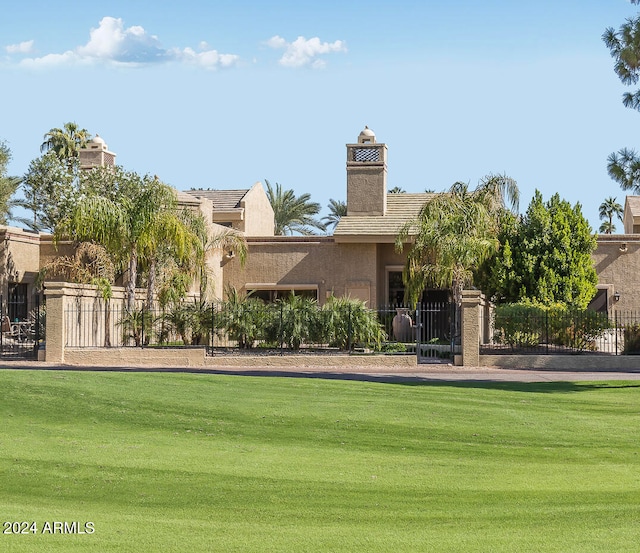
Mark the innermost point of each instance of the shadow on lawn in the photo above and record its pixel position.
(488, 383)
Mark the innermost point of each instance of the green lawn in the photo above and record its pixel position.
(191, 463)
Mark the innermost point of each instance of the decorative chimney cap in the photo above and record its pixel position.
(97, 140)
(367, 136)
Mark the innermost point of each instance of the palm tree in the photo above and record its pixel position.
(607, 228)
(293, 214)
(226, 240)
(65, 142)
(397, 190)
(607, 210)
(453, 234)
(133, 218)
(337, 210)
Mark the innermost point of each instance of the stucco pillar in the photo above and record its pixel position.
(55, 329)
(471, 315)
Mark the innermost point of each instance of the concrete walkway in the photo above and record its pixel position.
(419, 373)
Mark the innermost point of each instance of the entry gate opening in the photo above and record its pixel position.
(436, 332)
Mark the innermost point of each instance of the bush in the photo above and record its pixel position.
(529, 325)
(632, 339)
(243, 318)
(294, 320)
(348, 322)
(137, 324)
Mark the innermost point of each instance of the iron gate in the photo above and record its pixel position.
(436, 332)
(21, 329)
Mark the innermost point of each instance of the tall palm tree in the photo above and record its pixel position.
(608, 209)
(453, 234)
(337, 210)
(65, 142)
(293, 214)
(397, 190)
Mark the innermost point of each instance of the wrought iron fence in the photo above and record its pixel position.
(20, 337)
(251, 323)
(564, 332)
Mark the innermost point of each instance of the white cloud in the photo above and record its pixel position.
(111, 42)
(205, 58)
(303, 52)
(25, 47)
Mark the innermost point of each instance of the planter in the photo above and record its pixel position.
(402, 326)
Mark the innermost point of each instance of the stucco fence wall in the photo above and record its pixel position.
(475, 330)
(61, 347)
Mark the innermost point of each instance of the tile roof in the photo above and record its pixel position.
(400, 209)
(221, 199)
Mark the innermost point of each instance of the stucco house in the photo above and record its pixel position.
(358, 260)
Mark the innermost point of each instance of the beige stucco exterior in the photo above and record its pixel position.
(307, 263)
(617, 262)
(356, 261)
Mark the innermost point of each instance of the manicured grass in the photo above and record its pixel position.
(190, 463)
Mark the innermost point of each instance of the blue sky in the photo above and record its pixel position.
(221, 94)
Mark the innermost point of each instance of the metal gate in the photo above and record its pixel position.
(21, 330)
(436, 332)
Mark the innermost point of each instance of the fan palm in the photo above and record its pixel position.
(293, 214)
(453, 234)
(337, 210)
(607, 210)
(65, 142)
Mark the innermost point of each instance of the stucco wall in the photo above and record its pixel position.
(334, 268)
(258, 213)
(617, 262)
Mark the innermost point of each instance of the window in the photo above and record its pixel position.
(17, 306)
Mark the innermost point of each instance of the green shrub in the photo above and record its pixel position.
(294, 320)
(137, 324)
(632, 338)
(528, 325)
(349, 322)
(243, 318)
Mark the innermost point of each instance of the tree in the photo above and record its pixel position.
(607, 210)
(48, 187)
(293, 214)
(397, 190)
(8, 185)
(227, 240)
(337, 210)
(545, 258)
(133, 217)
(624, 46)
(65, 142)
(453, 234)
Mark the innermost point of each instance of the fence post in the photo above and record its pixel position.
(56, 324)
(213, 325)
(546, 330)
(615, 317)
(280, 331)
(349, 329)
(418, 336)
(471, 304)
